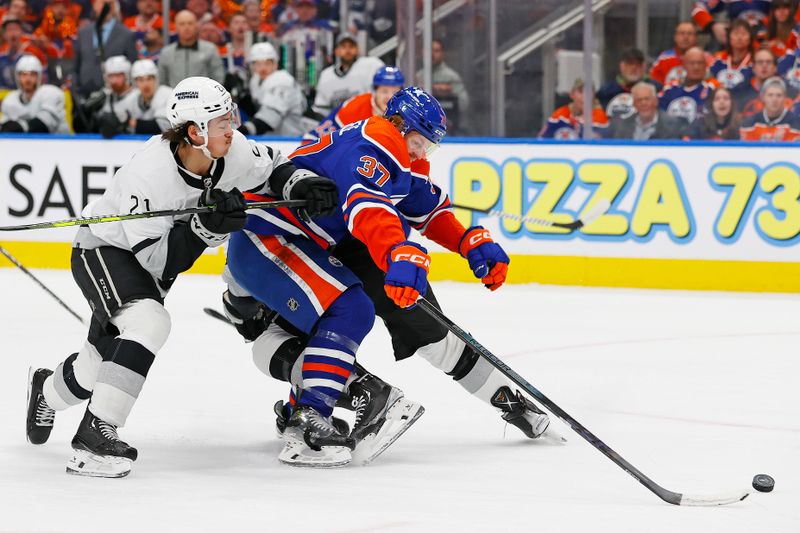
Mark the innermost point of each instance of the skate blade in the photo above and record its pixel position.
(399, 417)
(300, 455)
(28, 400)
(552, 436)
(84, 463)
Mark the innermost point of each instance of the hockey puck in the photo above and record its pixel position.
(763, 483)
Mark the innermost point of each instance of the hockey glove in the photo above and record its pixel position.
(486, 258)
(250, 317)
(227, 217)
(108, 125)
(407, 277)
(320, 194)
(14, 126)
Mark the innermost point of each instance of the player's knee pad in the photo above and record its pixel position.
(144, 321)
(445, 354)
(352, 314)
(276, 351)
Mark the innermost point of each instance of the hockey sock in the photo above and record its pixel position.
(119, 381)
(330, 354)
(73, 380)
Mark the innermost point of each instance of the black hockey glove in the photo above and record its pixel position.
(227, 217)
(321, 194)
(108, 124)
(250, 317)
(14, 126)
(93, 103)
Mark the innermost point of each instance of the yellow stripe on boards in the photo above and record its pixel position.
(750, 276)
(57, 255)
(691, 274)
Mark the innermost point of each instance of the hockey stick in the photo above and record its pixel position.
(594, 213)
(42, 285)
(151, 214)
(213, 313)
(668, 496)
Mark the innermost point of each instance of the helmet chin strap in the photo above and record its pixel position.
(203, 147)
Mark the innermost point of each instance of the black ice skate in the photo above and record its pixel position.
(99, 452)
(282, 414)
(382, 415)
(521, 412)
(313, 440)
(40, 415)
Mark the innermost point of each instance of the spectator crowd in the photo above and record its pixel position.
(743, 84)
(104, 66)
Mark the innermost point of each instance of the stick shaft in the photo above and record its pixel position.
(42, 285)
(102, 219)
(520, 218)
(664, 494)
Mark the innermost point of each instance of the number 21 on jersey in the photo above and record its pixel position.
(370, 167)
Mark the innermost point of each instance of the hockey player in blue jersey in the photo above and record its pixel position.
(426, 209)
(283, 260)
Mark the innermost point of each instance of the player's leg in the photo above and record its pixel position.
(324, 301)
(414, 331)
(382, 412)
(73, 380)
(130, 325)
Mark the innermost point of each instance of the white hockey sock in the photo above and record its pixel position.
(73, 380)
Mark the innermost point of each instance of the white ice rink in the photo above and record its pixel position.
(698, 390)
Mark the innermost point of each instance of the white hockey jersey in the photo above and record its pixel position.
(135, 107)
(47, 105)
(334, 86)
(281, 103)
(154, 180)
(119, 104)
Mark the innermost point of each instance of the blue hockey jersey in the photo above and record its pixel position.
(382, 194)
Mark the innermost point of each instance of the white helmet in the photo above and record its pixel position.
(144, 67)
(262, 52)
(199, 100)
(118, 65)
(29, 63)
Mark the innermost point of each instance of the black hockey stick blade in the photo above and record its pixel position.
(213, 313)
(668, 496)
(102, 219)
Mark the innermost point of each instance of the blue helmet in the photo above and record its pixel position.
(420, 112)
(392, 76)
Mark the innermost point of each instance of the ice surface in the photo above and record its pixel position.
(698, 390)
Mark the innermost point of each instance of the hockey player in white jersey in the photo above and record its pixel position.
(106, 110)
(278, 101)
(33, 107)
(349, 76)
(125, 269)
(147, 109)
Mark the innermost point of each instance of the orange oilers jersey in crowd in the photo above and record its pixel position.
(380, 196)
(668, 67)
(358, 107)
(563, 125)
(758, 127)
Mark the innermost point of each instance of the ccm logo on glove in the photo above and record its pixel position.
(407, 276)
(486, 258)
(417, 259)
(477, 237)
